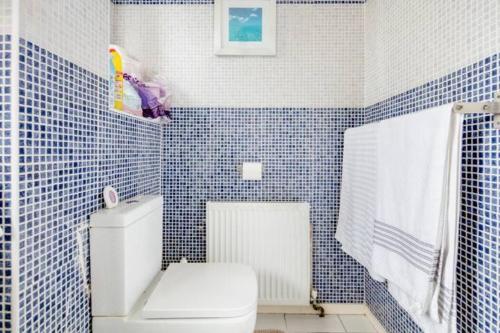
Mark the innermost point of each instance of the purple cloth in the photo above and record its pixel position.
(151, 106)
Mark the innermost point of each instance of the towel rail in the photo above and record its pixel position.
(492, 107)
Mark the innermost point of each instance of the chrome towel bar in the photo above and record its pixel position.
(492, 107)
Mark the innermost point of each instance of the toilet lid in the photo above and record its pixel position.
(203, 291)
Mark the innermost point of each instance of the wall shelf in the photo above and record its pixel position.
(148, 120)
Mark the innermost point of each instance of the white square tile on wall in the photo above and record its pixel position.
(5, 16)
(78, 30)
(313, 323)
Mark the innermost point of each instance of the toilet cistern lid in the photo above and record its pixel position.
(203, 291)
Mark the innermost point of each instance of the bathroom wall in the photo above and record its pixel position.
(318, 63)
(300, 149)
(421, 54)
(70, 146)
(5, 170)
(408, 44)
(288, 111)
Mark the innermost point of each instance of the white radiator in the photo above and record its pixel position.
(273, 238)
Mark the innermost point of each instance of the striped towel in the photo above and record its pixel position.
(357, 196)
(414, 238)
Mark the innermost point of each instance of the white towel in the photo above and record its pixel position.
(414, 239)
(425, 322)
(357, 195)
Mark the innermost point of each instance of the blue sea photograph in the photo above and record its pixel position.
(245, 24)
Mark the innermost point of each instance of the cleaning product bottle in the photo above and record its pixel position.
(117, 72)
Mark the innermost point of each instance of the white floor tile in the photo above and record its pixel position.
(270, 321)
(357, 323)
(313, 323)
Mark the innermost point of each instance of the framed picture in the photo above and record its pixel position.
(245, 27)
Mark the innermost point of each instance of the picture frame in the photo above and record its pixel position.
(245, 27)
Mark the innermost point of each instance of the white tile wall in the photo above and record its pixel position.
(5, 16)
(409, 43)
(79, 30)
(319, 60)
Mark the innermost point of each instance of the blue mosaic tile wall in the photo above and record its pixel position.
(59, 103)
(478, 265)
(129, 154)
(71, 145)
(5, 183)
(301, 152)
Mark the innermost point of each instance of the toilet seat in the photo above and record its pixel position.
(191, 314)
(201, 290)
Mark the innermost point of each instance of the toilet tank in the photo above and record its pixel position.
(125, 253)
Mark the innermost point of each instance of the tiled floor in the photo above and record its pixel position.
(293, 323)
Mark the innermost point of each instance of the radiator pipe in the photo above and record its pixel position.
(314, 303)
(314, 293)
(318, 308)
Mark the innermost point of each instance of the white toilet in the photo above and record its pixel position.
(131, 295)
